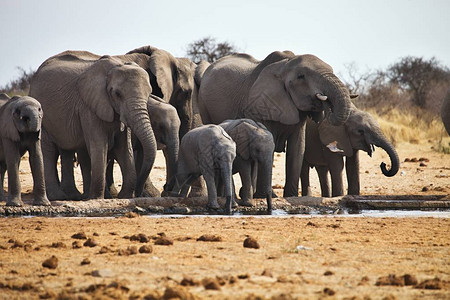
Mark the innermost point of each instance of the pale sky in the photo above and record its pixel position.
(372, 34)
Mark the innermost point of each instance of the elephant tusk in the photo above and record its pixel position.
(321, 97)
(122, 126)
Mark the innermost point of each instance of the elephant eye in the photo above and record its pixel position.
(118, 94)
(17, 111)
(300, 76)
(360, 132)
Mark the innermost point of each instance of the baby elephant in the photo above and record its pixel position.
(254, 157)
(20, 127)
(209, 151)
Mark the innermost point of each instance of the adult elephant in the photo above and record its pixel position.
(88, 101)
(360, 132)
(277, 91)
(445, 112)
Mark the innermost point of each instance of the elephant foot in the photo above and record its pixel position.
(234, 204)
(261, 195)
(41, 201)
(16, 201)
(213, 206)
(246, 202)
(55, 193)
(125, 195)
(150, 191)
(228, 206)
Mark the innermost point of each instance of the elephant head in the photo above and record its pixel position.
(360, 132)
(114, 91)
(26, 116)
(172, 79)
(293, 84)
(166, 125)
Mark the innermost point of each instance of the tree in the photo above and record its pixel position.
(417, 76)
(207, 49)
(20, 85)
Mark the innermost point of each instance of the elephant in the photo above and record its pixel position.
(326, 146)
(279, 92)
(166, 125)
(445, 112)
(209, 151)
(254, 149)
(20, 128)
(89, 101)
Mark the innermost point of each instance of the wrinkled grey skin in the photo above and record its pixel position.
(254, 149)
(166, 125)
(209, 151)
(445, 112)
(20, 126)
(87, 98)
(360, 132)
(277, 91)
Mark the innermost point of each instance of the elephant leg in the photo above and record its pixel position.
(12, 157)
(352, 169)
(259, 182)
(304, 178)
(322, 172)
(336, 167)
(37, 170)
(85, 165)
(2, 180)
(124, 156)
(198, 188)
(67, 175)
(295, 151)
(50, 154)
(212, 192)
(110, 190)
(246, 191)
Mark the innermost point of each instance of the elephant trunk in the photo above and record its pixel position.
(266, 174)
(139, 122)
(226, 177)
(382, 142)
(338, 101)
(172, 157)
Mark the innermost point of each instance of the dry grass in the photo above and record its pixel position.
(413, 126)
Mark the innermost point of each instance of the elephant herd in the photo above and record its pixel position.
(123, 108)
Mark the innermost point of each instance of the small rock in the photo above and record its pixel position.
(104, 250)
(210, 238)
(140, 237)
(243, 276)
(391, 279)
(85, 261)
(79, 236)
(328, 273)
(422, 164)
(146, 249)
(414, 159)
(58, 245)
(328, 291)
(410, 279)
(407, 160)
(77, 245)
(430, 284)
(211, 284)
(131, 214)
(311, 224)
(95, 234)
(425, 189)
(90, 243)
(188, 281)
(251, 243)
(162, 240)
(51, 262)
(177, 292)
(267, 273)
(102, 273)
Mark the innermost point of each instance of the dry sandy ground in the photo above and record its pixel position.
(308, 257)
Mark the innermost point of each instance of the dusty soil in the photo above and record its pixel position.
(309, 257)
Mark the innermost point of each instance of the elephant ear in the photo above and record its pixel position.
(268, 98)
(7, 128)
(240, 135)
(92, 88)
(161, 63)
(335, 138)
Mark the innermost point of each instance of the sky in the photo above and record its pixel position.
(369, 34)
